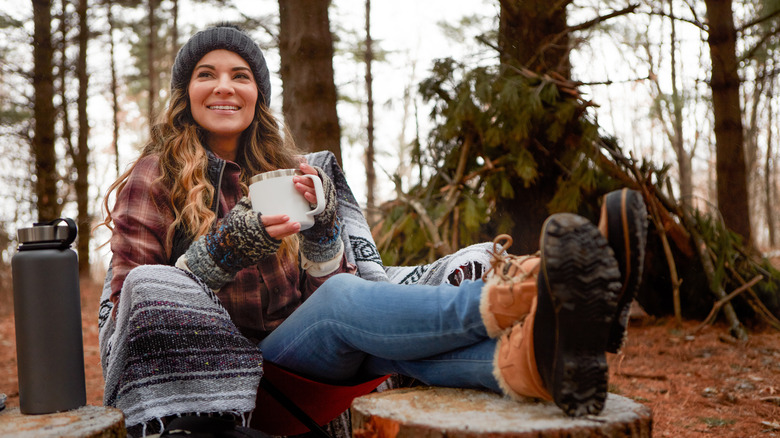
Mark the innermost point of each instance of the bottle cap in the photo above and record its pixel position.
(42, 232)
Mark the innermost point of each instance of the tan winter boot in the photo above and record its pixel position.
(557, 352)
(515, 362)
(623, 223)
(510, 287)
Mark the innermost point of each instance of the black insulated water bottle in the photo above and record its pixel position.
(47, 309)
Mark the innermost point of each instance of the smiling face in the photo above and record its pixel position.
(223, 95)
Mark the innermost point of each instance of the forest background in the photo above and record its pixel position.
(455, 120)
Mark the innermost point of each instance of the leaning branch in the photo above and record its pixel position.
(738, 330)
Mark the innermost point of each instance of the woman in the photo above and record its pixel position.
(536, 326)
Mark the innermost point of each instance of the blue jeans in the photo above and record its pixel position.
(353, 329)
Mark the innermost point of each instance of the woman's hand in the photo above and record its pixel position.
(322, 241)
(238, 240)
(280, 226)
(305, 186)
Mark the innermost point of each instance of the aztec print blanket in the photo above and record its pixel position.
(467, 264)
(172, 348)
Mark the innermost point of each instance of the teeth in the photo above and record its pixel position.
(224, 107)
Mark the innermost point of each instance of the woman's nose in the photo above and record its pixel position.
(223, 86)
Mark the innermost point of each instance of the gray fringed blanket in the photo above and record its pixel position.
(172, 348)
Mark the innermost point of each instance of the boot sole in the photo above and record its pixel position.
(578, 286)
(627, 236)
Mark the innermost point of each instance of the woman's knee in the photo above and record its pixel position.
(339, 288)
(340, 282)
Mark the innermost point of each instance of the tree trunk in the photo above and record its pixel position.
(81, 157)
(64, 68)
(309, 90)
(433, 412)
(684, 166)
(527, 37)
(768, 170)
(730, 166)
(151, 54)
(532, 34)
(370, 171)
(43, 138)
(175, 29)
(114, 87)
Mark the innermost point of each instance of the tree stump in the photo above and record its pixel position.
(439, 412)
(85, 422)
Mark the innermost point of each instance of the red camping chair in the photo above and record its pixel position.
(288, 404)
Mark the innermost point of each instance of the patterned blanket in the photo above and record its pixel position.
(467, 264)
(172, 348)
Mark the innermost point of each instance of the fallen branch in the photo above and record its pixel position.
(753, 301)
(642, 376)
(725, 300)
(716, 288)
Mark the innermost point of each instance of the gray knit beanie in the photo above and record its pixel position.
(223, 36)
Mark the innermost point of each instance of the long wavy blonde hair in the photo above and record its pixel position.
(180, 144)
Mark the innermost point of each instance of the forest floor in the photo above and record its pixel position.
(697, 383)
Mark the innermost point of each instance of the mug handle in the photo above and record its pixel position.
(319, 192)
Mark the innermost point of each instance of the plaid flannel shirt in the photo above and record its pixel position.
(259, 298)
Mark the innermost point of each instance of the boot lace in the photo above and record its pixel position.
(501, 261)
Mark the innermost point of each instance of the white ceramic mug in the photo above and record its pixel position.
(274, 193)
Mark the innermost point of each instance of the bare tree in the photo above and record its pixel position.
(370, 170)
(81, 154)
(769, 192)
(729, 136)
(47, 203)
(669, 108)
(151, 54)
(309, 95)
(114, 85)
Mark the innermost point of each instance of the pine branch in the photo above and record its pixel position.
(590, 23)
(693, 12)
(695, 21)
(482, 39)
(759, 44)
(759, 20)
(611, 82)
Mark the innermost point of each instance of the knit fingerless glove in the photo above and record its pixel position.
(322, 241)
(239, 240)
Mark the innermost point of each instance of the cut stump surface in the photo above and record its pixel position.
(84, 422)
(463, 413)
